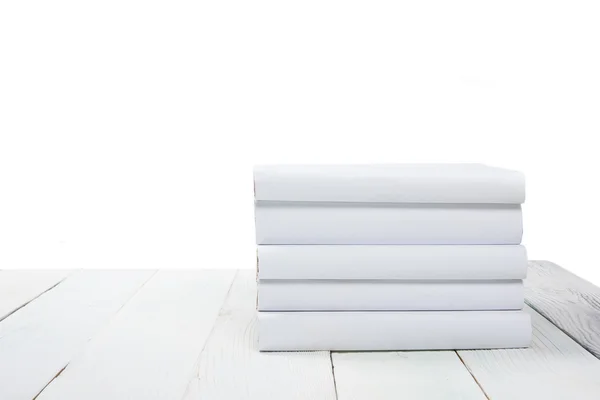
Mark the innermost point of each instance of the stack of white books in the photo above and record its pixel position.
(390, 257)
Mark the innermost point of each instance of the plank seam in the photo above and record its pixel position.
(333, 374)
(112, 317)
(549, 319)
(33, 299)
(218, 314)
(472, 375)
(51, 380)
(130, 298)
(96, 333)
(196, 374)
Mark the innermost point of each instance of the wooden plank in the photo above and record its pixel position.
(231, 367)
(150, 348)
(40, 339)
(554, 367)
(407, 375)
(19, 287)
(568, 301)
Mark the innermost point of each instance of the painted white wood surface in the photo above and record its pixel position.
(554, 367)
(147, 337)
(38, 340)
(403, 375)
(230, 366)
(150, 348)
(18, 287)
(568, 301)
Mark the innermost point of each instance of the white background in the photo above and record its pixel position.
(128, 129)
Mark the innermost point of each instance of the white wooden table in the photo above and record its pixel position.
(112, 335)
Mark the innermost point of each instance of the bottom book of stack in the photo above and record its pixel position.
(393, 330)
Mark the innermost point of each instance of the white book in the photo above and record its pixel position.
(373, 223)
(392, 183)
(386, 330)
(297, 295)
(408, 262)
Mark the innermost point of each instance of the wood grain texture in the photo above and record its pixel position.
(403, 375)
(170, 341)
(231, 367)
(149, 349)
(40, 339)
(554, 367)
(19, 287)
(568, 301)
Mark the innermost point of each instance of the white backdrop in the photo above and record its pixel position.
(128, 129)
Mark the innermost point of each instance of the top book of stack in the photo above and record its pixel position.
(394, 183)
(388, 204)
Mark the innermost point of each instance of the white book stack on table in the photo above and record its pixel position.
(390, 257)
